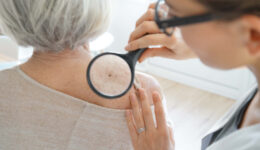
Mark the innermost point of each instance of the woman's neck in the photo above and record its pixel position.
(252, 114)
(65, 72)
(255, 69)
(57, 66)
(65, 57)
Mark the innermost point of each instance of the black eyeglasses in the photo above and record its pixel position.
(167, 23)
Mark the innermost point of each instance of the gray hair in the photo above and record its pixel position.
(54, 24)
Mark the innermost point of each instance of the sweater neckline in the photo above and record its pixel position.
(41, 86)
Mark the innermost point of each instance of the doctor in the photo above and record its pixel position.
(224, 34)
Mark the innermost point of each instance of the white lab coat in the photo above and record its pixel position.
(244, 139)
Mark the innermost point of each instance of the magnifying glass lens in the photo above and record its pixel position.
(110, 75)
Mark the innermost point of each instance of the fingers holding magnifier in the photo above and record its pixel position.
(148, 16)
(151, 40)
(146, 27)
(159, 52)
(152, 5)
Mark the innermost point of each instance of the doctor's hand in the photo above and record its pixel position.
(148, 34)
(144, 134)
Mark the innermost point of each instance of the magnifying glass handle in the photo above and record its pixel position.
(135, 55)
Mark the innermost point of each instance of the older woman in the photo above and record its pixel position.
(46, 103)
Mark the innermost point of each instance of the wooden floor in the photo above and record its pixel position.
(193, 112)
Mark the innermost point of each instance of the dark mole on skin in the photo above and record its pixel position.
(109, 75)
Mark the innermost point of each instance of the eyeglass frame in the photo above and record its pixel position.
(181, 21)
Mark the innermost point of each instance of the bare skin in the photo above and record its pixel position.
(65, 72)
(252, 114)
(117, 71)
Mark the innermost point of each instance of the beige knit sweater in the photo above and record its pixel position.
(35, 117)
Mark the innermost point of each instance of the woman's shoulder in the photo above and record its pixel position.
(11, 83)
(150, 84)
(7, 76)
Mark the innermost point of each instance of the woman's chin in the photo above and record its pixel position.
(220, 65)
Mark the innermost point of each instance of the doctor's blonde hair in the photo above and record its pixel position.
(54, 25)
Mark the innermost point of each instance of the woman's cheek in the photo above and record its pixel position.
(193, 40)
(200, 42)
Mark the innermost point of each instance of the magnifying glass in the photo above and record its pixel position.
(111, 75)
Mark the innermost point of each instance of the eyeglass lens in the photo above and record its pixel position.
(163, 14)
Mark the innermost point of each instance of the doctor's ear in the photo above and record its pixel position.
(253, 43)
